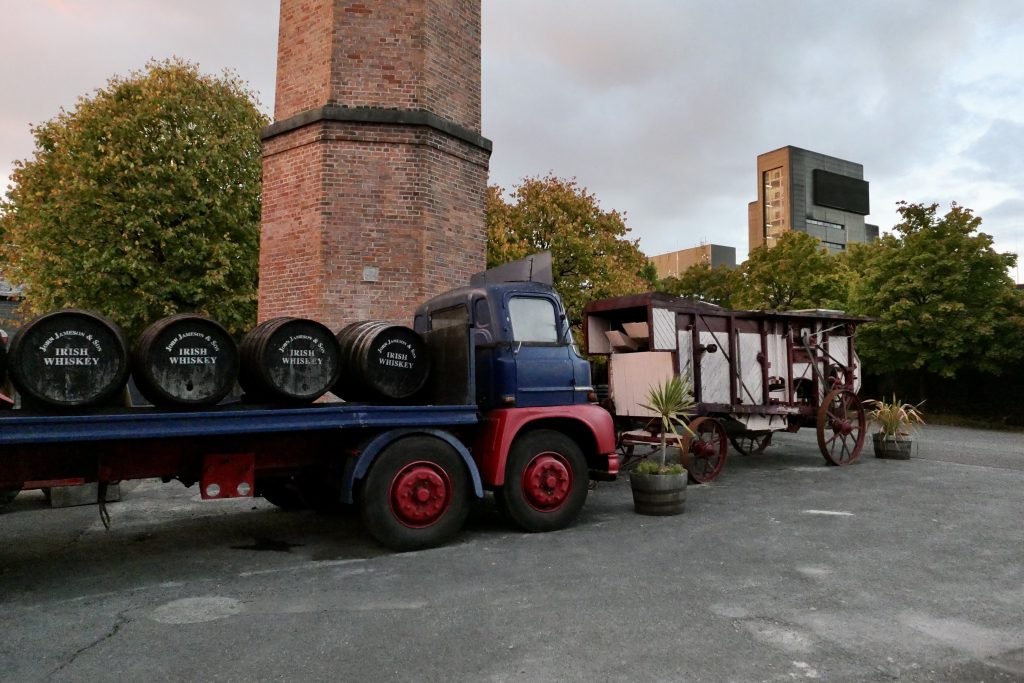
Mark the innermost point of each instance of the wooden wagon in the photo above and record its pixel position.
(753, 373)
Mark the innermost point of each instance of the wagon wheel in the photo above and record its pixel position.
(705, 449)
(841, 427)
(751, 443)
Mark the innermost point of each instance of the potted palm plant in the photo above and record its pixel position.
(660, 489)
(896, 420)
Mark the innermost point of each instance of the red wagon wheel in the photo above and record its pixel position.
(841, 427)
(751, 443)
(705, 449)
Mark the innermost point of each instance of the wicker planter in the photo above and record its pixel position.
(658, 494)
(891, 447)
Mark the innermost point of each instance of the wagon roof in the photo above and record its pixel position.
(688, 305)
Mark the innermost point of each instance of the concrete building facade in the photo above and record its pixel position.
(803, 191)
(374, 170)
(674, 263)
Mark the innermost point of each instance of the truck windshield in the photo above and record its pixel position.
(533, 320)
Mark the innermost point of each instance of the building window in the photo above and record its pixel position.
(826, 224)
(774, 205)
(833, 247)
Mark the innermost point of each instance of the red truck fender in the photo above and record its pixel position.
(589, 425)
(357, 467)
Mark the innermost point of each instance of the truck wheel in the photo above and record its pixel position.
(415, 495)
(545, 481)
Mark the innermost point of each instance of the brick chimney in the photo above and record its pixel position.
(374, 171)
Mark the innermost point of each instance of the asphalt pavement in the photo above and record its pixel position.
(783, 569)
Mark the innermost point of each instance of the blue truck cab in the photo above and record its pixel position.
(522, 353)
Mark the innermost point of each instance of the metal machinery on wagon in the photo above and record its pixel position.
(753, 373)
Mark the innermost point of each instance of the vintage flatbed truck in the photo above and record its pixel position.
(509, 408)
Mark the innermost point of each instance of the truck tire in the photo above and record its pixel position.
(415, 495)
(545, 481)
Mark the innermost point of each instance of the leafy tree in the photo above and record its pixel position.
(942, 295)
(796, 273)
(720, 285)
(591, 256)
(142, 201)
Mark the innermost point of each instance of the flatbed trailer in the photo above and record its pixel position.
(509, 408)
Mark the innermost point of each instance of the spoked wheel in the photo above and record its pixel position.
(545, 481)
(416, 494)
(706, 449)
(841, 427)
(751, 443)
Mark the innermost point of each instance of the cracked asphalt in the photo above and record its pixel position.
(781, 570)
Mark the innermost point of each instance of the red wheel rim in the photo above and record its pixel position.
(841, 427)
(420, 494)
(707, 450)
(547, 481)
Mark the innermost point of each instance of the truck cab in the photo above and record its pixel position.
(522, 353)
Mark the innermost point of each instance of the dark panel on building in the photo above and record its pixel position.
(841, 192)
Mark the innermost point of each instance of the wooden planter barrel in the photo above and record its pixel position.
(289, 359)
(892, 447)
(185, 360)
(68, 359)
(381, 361)
(658, 494)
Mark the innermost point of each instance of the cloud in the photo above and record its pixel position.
(659, 107)
(664, 106)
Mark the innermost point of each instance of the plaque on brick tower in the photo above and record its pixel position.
(374, 170)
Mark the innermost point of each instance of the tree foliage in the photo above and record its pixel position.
(942, 295)
(142, 201)
(796, 273)
(591, 255)
(719, 285)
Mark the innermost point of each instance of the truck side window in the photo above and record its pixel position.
(456, 316)
(533, 319)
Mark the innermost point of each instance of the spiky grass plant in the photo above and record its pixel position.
(673, 402)
(894, 418)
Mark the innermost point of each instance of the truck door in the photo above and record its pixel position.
(543, 354)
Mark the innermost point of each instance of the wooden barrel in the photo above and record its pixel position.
(289, 359)
(185, 360)
(68, 359)
(658, 494)
(381, 361)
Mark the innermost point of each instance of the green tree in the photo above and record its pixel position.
(719, 285)
(796, 273)
(942, 295)
(591, 256)
(142, 201)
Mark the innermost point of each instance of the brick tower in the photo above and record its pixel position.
(374, 171)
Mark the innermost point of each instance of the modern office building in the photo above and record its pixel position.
(809, 192)
(674, 263)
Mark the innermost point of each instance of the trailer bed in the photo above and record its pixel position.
(20, 427)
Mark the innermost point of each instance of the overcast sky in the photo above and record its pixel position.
(660, 108)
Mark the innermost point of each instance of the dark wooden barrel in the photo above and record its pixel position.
(381, 361)
(68, 359)
(289, 359)
(185, 360)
